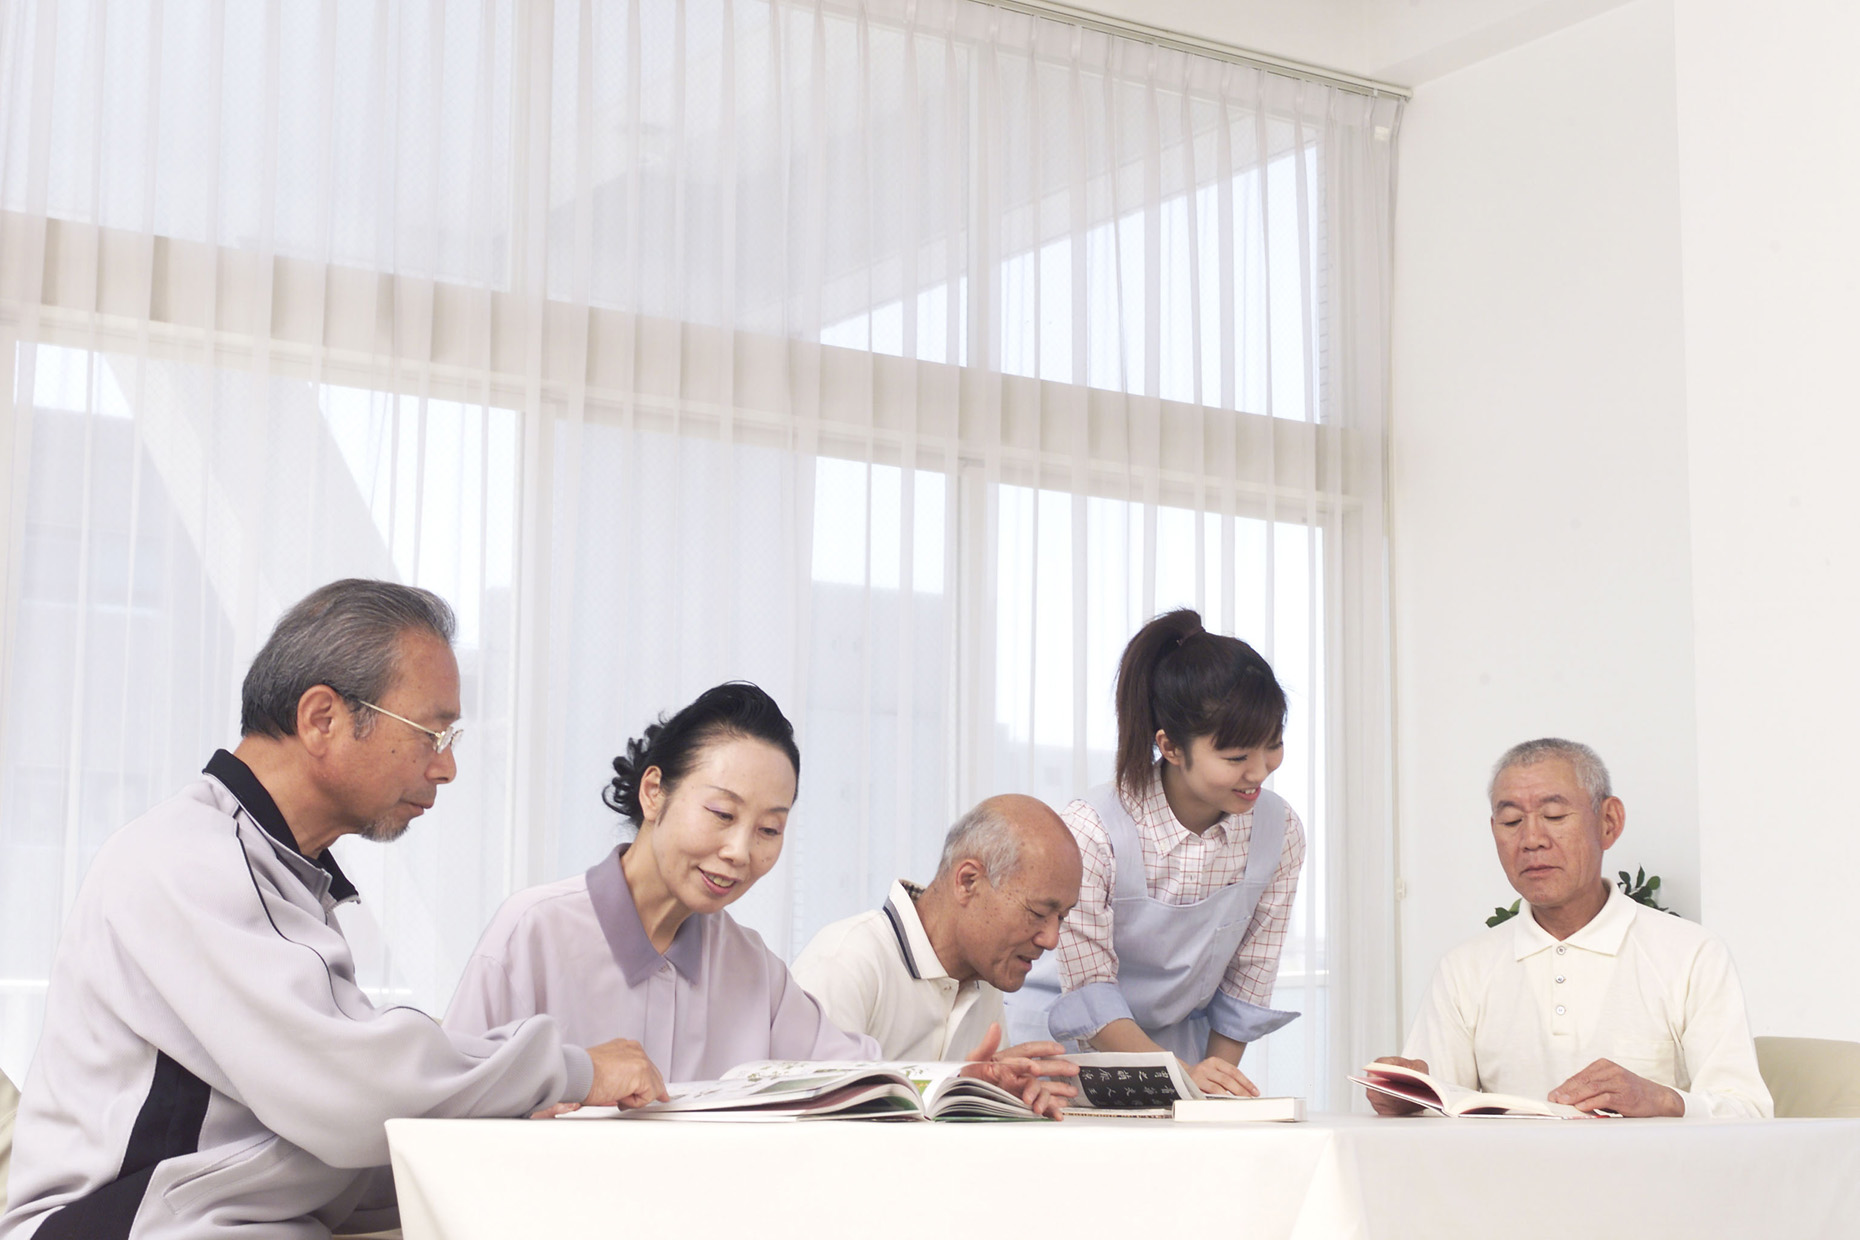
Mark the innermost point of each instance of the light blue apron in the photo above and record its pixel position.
(1170, 957)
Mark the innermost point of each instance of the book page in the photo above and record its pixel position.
(1475, 1105)
(944, 1086)
(1127, 1081)
(925, 1075)
(1456, 1100)
(1405, 1083)
(785, 1084)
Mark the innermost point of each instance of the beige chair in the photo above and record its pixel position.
(9, 1103)
(1811, 1076)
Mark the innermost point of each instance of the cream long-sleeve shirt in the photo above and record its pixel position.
(1515, 1011)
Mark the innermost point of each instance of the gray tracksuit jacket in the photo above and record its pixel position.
(208, 1062)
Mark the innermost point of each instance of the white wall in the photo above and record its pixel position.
(1770, 179)
(1541, 559)
(1624, 433)
(1409, 42)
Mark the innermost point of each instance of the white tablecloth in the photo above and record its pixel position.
(1334, 1178)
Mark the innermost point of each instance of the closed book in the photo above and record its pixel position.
(1240, 1110)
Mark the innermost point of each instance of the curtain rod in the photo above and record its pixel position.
(1126, 29)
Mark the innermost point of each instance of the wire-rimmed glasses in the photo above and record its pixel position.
(442, 741)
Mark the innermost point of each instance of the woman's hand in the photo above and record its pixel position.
(1216, 1076)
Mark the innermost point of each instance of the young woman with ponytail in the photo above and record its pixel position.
(1190, 866)
(640, 946)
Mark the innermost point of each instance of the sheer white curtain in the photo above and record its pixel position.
(903, 356)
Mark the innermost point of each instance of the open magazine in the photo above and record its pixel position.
(1152, 1085)
(794, 1090)
(1458, 1101)
(1149, 1085)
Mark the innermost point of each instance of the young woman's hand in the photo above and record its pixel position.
(1216, 1076)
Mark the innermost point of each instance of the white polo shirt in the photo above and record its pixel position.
(1515, 1011)
(877, 974)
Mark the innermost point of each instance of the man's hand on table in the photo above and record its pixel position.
(1023, 1071)
(1386, 1104)
(1607, 1086)
(623, 1076)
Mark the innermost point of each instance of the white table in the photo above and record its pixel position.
(1334, 1178)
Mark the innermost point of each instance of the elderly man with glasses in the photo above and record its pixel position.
(924, 974)
(208, 1060)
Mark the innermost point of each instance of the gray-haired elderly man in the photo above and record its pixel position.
(924, 974)
(208, 1061)
(1586, 997)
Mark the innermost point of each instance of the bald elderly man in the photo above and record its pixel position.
(924, 974)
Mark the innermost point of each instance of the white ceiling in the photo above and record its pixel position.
(1405, 42)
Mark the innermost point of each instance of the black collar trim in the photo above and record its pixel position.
(904, 941)
(244, 785)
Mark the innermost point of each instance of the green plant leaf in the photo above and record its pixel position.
(1643, 888)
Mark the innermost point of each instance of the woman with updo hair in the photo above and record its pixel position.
(640, 946)
(1190, 865)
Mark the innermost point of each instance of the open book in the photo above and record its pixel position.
(1152, 1085)
(1458, 1101)
(794, 1090)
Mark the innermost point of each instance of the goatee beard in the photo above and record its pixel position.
(384, 830)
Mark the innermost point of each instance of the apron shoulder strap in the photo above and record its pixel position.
(1126, 846)
(1268, 838)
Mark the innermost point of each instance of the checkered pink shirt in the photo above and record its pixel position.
(1179, 867)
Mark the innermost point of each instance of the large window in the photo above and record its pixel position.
(903, 358)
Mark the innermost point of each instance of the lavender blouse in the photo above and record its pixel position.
(576, 950)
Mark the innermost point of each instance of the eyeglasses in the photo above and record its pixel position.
(442, 741)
